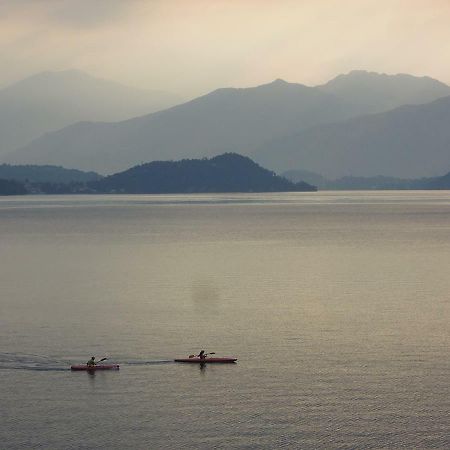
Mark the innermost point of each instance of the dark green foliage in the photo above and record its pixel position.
(229, 172)
(59, 188)
(11, 187)
(45, 174)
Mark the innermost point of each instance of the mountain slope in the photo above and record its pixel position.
(48, 174)
(381, 92)
(442, 182)
(224, 120)
(229, 172)
(51, 100)
(407, 142)
(373, 183)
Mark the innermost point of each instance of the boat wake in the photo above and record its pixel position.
(16, 361)
(147, 363)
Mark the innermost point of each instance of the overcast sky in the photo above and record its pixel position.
(193, 46)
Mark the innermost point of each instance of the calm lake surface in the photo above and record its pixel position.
(337, 305)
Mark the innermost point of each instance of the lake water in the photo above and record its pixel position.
(336, 304)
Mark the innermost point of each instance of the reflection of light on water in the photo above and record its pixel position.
(205, 295)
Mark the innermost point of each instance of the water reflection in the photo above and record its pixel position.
(205, 295)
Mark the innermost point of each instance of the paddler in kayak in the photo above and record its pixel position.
(91, 362)
(202, 355)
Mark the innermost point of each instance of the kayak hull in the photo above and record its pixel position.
(92, 368)
(197, 360)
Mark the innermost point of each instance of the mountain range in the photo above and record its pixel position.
(346, 126)
(410, 141)
(49, 101)
(378, 92)
(224, 120)
(368, 183)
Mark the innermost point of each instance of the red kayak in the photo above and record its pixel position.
(97, 367)
(197, 360)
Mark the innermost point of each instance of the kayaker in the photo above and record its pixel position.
(202, 354)
(91, 362)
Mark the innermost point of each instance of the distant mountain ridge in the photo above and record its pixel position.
(370, 183)
(263, 122)
(224, 120)
(229, 172)
(407, 142)
(49, 101)
(379, 92)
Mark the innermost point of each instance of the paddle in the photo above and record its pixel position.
(205, 354)
(99, 361)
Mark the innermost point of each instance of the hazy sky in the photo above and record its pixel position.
(193, 46)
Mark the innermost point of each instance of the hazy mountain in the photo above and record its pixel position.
(367, 183)
(435, 182)
(297, 175)
(346, 183)
(51, 100)
(377, 92)
(388, 183)
(375, 183)
(407, 142)
(49, 174)
(224, 120)
(229, 172)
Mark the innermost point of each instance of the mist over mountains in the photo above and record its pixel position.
(350, 183)
(346, 126)
(409, 141)
(224, 120)
(378, 92)
(49, 101)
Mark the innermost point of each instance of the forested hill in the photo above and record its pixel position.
(45, 174)
(11, 187)
(229, 172)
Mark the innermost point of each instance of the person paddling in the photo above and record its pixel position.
(91, 362)
(202, 354)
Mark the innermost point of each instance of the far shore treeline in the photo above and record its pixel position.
(229, 172)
